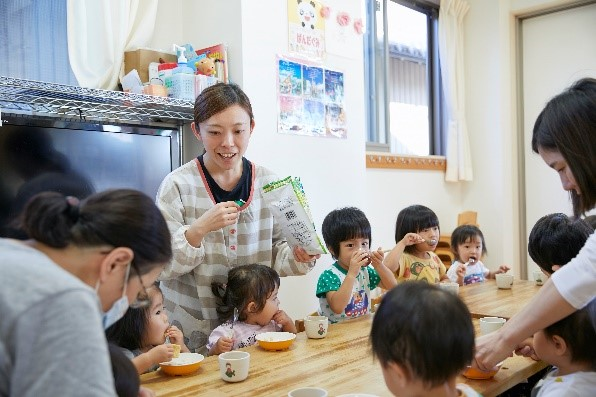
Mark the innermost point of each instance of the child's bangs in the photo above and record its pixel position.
(359, 230)
(427, 221)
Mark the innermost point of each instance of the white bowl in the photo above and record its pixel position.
(184, 364)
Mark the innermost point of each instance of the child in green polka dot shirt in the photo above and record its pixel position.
(344, 288)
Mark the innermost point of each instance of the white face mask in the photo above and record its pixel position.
(119, 307)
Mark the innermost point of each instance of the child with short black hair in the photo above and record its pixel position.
(419, 357)
(416, 236)
(252, 291)
(344, 288)
(142, 333)
(556, 239)
(569, 346)
(467, 243)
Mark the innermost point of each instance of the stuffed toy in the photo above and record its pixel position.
(205, 66)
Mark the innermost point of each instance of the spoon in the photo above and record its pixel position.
(431, 241)
(233, 321)
(167, 336)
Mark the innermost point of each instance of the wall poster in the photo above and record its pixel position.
(310, 100)
(306, 28)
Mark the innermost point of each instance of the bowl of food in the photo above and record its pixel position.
(275, 340)
(184, 364)
(475, 373)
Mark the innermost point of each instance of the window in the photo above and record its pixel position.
(403, 87)
(33, 41)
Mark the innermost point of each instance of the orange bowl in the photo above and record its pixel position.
(275, 340)
(474, 373)
(185, 364)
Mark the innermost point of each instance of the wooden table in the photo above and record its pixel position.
(486, 300)
(340, 363)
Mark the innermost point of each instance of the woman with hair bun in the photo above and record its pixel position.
(82, 267)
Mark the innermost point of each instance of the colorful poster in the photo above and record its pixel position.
(310, 100)
(306, 29)
(334, 86)
(290, 115)
(290, 77)
(314, 87)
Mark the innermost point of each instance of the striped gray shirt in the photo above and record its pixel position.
(256, 238)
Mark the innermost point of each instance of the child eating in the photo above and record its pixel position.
(141, 334)
(467, 243)
(416, 237)
(252, 291)
(344, 288)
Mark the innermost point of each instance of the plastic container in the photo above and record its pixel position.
(181, 84)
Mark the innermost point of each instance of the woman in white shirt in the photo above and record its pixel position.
(565, 137)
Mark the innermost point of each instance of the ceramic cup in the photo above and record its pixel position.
(539, 277)
(308, 392)
(490, 324)
(450, 287)
(504, 280)
(233, 366)
(316, 326)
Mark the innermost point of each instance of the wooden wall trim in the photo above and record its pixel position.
(405, 162)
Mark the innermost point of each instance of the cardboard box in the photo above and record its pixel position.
(141, 58)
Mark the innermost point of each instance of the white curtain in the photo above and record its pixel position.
(99, 31)
(451, 53)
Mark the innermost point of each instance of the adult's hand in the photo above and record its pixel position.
(545, 308)
(301, 256)
(491, 349)
(221, 215)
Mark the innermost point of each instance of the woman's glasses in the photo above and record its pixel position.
(143, 300)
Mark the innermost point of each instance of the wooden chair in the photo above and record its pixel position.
(446, 256)
(467, 218)
(300, 322)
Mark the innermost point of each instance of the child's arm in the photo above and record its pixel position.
(221, 339)
(176, 337)
(287, 324)
(501, 269)
(392, 260)
(338, 300)
(223, 344)
(461, 272)
(526, 349)
(144, 361)
(387, 278)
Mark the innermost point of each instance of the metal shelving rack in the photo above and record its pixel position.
(40, 99)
